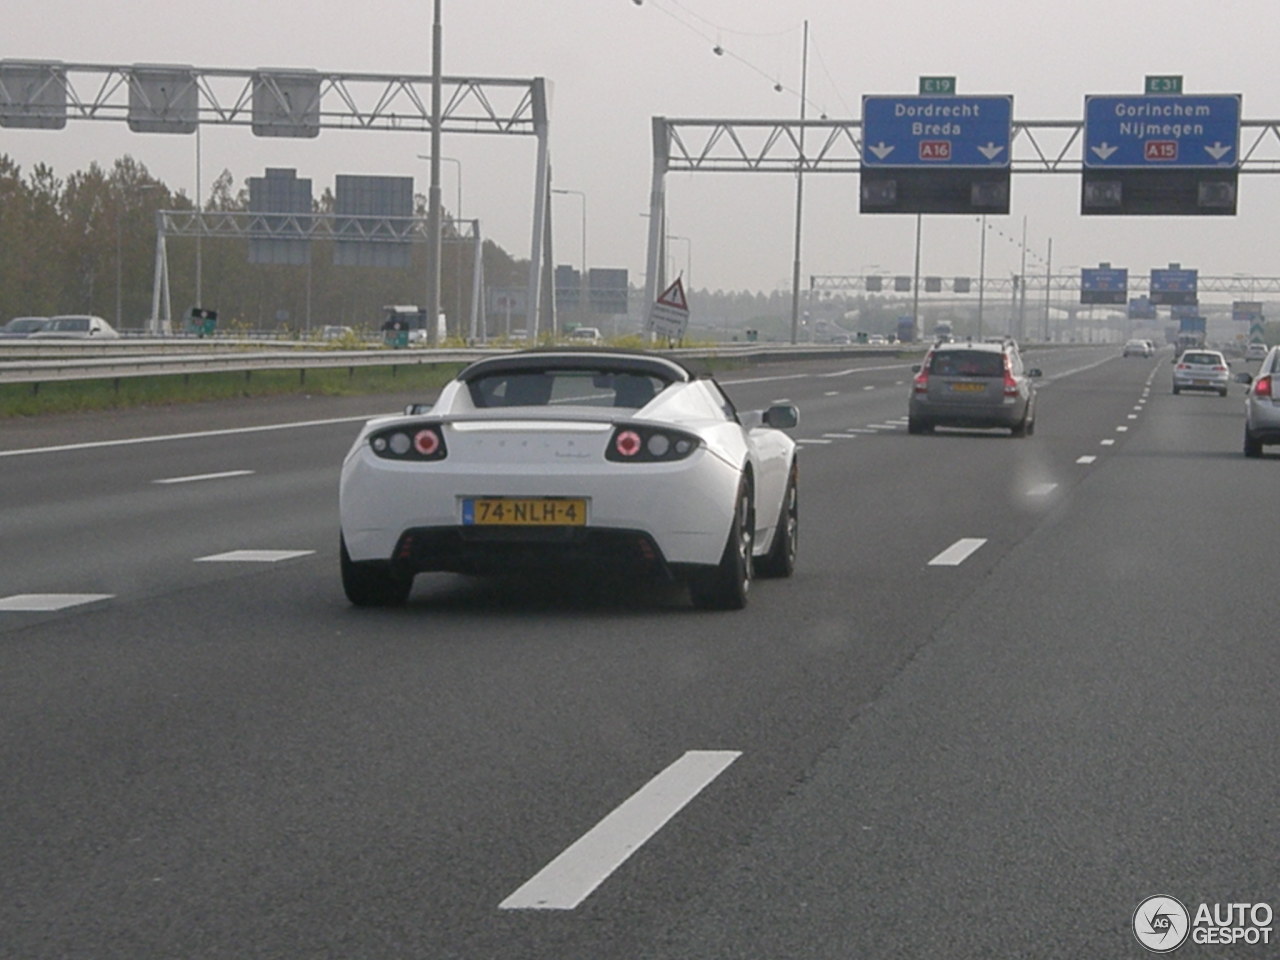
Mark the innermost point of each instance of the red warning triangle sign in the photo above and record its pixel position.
(673, 296)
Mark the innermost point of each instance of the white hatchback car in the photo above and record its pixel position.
(1201, 370)
(76, 326)
(577, 460)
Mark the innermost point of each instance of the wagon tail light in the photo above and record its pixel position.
(921, 382)
(410, 442)
(1262, 387)
(1010, 384)
(632, 443)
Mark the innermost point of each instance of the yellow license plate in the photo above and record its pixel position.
(969, 387)
(524, 511)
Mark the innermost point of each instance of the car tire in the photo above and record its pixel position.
(1022, 429)
(1176, 391)
(372, 583)
(1252, 445)
(780, 561)
(727, 585)
(1222, 392)
(917, 426)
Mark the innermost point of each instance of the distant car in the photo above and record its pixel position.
(1262, 405)
(1256, 351)
(78, 326)
(1138, 348)
(877, 340)
(21, 327)
(336, 333)
(589, 336)
(973, 384)
(1201, 370)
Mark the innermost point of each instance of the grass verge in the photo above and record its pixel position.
(79, 396)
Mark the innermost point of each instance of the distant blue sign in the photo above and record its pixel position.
(1153, 132)
(1104, 285)
(1174, 287)
(946, 131)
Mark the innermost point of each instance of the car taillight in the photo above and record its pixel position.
(1010, 384)
(409, 442)
(1219, 367)
(1183, 366)
(921, 382)
(643, 444)
(1262, 387)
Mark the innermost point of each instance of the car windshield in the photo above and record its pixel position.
(538, 388)
(26, 324)
(967, 363)
(1201, 358)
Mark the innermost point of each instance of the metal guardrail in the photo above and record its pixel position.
(127, 363)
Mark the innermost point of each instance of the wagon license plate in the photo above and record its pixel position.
(524, 511)
(969, 387)
(1201, 383)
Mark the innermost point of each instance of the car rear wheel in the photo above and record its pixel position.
(1252, 445)
(725, 586)
(780, 561)
(918, 426)
(1176, 391)
(372, 583)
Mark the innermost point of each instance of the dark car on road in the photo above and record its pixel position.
(973, 384)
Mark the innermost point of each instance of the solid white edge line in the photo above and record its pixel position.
(812, 440)
(586, 863)
(206, 476)
(1042, 489)
(231, 431)
(958, 552)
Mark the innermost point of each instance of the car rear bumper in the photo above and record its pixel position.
(1189, 382)
(1007, 414)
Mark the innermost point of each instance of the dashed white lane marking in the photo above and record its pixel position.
(831, 393)
(1108, 443)
(1138, 408)
(1122, 429)
(206, 476)
(1133, 416)
(869, 387)
(883, 426)
(861, 430)
(840, 436)
(97, 444)
(49, 602)
(254, 556)
(901, 421)
(572, 876)
(1086, 459)
(781, 400)
(1042, 489)
(957, 553)
(812, 440)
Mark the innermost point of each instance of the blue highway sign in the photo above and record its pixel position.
(1154, 132)
(948, 131)
(1104, 285)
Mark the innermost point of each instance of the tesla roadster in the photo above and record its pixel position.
(563, 460)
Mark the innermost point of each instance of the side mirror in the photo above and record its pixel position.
(915, 368)
(1244, 378)
(781, 417)
(1035, 372)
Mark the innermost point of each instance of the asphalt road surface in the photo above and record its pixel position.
(1015, 687)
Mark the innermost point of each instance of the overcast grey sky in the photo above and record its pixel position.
(615, 64)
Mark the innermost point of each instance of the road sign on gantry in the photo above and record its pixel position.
(1161, 154)
(1104, 285)
(936, 154)
(1174, 286)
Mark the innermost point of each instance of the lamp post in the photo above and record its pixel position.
(433, 195)
(457, 213)
(688, 258)
(582, 277)
(795, 266)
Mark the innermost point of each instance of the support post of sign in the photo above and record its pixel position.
(477, 273)
(541, 190)
(915, 283)
(153, 322)
(654, 281)
(1048, 290)
(795, 265)
(982, 272)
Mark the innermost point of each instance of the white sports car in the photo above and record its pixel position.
(601, 460)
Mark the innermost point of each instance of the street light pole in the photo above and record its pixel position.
(582, 277)
(433, 195)
(795, 265)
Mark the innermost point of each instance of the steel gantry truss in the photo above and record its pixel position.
(284, 102)
(835, 146)
(305, 226)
